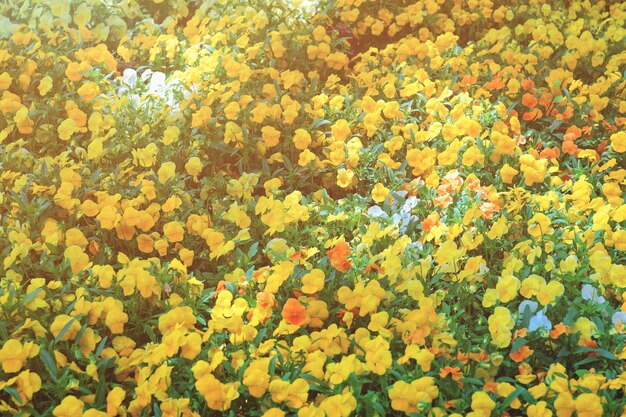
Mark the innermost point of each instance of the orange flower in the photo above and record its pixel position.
(550, 153)
(265, 300)
(520, 333)
(455, 372)
(572, 133)
(570, 147)
(558, 330)
(294, 312)
(473, 183)
(491, 386)
(430, 222)
(373, 268)
(532, 115)
(339, 257)
(521, 354)
(443, 201)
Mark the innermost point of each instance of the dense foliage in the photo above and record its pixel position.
(333, 208)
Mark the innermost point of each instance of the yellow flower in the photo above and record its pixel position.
(166, 171)
(344, 177)
(534, 170)
(378, 357)
(588, 405)
(95, 149)
(274, 412)
(340, 130)
(108, 217)
(217, 395)
(66, 129)
(411, 397)
(539, 225)
(92, 412)
(27, 383)
(182, 316)
(337, 60)
(539, 410)
(115, 320)
(341, 405)
(500, 325)
(194, 167)
(14, 354)
(473, 155)
(231, 111)
(171, 135)
(270, 135)
(233, 133)
(564, 403)
(585, 326)
(69, 407)
(256, 377)
(82, 15)
(618, 141)
(114, 400)
(306, 157)
(23, 122)
(45, 85)
(293, 394)
(301, 139)
(174, 231)
(60, 322)
(88, 91)
(313, 281)
(507, 173)
(482, 404)
(379, 193)
(78, 259)
(5, 81)
(201, 117)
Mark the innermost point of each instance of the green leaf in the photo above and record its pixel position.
(101, 390)
(49, 363)
(64, 330)
(473, 381)
(602, 352)
(517, 344)
(30, 296)
(287, 163)
(526, 396)
(510, 398)
(319, 122)
(148, 329)
(13, 392)
(253, 250)
(259, 337)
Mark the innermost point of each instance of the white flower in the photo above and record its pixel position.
(410, 204)
(129, 76)
(157, 83)
(589, 292)
(145, 76)
(538, 321)
(619, 317)
(527, 303)
(417, 245)
(7, 28)
(376, 211)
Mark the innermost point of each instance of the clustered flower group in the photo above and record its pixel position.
(312, 208)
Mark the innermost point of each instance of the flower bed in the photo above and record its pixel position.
(339, 208)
